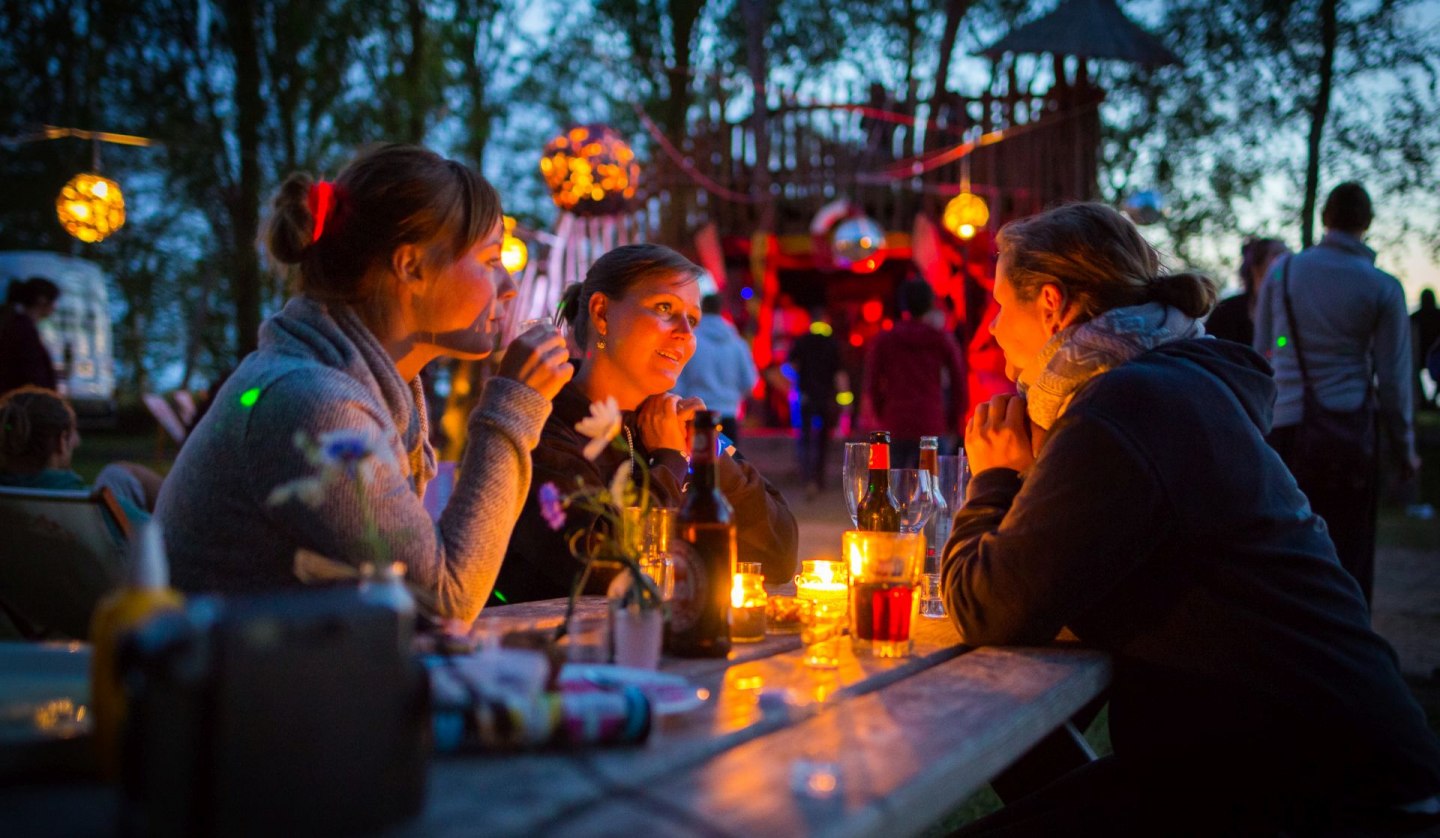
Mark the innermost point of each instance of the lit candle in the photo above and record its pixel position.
(821, 580)
(747, 604)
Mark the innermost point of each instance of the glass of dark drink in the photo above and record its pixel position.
(885, 573)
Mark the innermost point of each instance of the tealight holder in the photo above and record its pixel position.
(747, 603)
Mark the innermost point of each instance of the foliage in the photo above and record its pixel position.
(1224, 135)
(241, 92)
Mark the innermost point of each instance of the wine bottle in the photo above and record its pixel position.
(700, 608)
(877, 510)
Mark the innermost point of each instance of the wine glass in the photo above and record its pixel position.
(857, 476)
(910, 489)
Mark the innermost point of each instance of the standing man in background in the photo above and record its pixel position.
(819, 376)
(722, 372)
(903, 378)
(1352, 332)
(23, 356)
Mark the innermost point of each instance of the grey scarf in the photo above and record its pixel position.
(1080, 352)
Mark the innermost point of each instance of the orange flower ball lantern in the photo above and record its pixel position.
(90, 207)
(965, 215)
(590, 170)
(514, 254)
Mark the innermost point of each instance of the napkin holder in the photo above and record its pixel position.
(292, 713)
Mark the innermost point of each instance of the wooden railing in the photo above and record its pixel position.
(1045, 152)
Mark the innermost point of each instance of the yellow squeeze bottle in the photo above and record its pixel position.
(146, 593)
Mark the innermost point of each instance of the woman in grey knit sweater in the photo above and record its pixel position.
(397, 263)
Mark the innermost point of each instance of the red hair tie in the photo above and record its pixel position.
(321, 201)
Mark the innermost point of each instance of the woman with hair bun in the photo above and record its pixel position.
(1128, 494)
(635, 317)
(396, 263)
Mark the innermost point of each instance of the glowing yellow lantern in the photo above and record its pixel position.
(590, 170)
(965, 214)
(514, 255)
(90, 207)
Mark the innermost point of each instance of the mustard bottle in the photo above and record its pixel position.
(146, 593)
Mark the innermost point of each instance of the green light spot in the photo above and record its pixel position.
(250, 397)
(501, 597)
(1282, 341)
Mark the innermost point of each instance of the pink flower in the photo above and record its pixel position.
(552, 506)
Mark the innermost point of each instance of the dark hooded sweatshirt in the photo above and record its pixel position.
(1158, 526)
(538, 564)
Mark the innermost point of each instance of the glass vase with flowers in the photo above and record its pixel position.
(623, 519)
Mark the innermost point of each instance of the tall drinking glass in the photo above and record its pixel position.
(857, 475)
(910, 488)
(885, 571)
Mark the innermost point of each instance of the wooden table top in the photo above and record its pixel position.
(912, 738)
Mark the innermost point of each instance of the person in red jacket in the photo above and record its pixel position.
(23, 356)
(915, 378)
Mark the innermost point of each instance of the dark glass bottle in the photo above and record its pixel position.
(877, 510)
(700, 610)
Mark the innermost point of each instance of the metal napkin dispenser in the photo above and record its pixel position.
(292, 713)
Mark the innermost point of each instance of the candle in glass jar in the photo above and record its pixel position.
(747, 604)
(822, 580)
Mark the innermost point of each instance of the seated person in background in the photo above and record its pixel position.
(398, 263)
(1130, 495)
(635, 314)
(38, 438)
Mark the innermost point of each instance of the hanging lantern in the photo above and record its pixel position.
(858, 244)
(90, 207)
(965, 215)
(1145, 207)
(514, 254)
(590, 170)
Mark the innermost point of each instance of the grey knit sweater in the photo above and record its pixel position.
(320, 369)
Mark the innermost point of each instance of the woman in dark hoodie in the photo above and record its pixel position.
(1129, 495)
(635, 316)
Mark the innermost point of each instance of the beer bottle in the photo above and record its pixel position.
(700, 609)
(877, 510)
(937, 528)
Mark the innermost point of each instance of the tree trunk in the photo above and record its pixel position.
(244, 200)
(673, 116)
(1328, 36)
(415, 74)
(954, 13)
(756, 14)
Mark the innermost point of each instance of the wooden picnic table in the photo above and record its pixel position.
(912, 738)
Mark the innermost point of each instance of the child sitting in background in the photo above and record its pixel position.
(38, 438)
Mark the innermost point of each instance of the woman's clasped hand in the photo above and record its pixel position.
(999, 435)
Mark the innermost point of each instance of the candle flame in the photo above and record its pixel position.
(825, 572)
(737, 592)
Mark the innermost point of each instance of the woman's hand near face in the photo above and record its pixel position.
(538, 359)
(661, 423)
(998, 435)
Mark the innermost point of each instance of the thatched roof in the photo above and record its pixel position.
(1088, 29)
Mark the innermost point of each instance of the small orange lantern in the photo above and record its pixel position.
(965, 215)
(590, 170)
(90, 207)
(514, 254)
